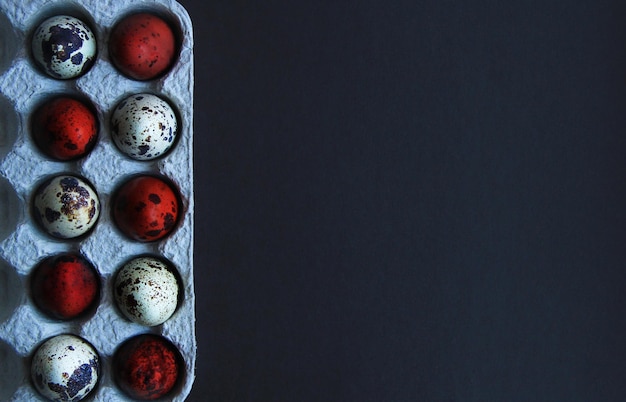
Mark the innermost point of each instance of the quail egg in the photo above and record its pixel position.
(64, 47)
(146, 208)
(144, 126)
(65, 286)
(147, 367)
(66, 207)
(65, 128)
(142, 46)
(146, 291)
(65, 368)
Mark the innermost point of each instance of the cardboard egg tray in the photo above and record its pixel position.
(23, 167)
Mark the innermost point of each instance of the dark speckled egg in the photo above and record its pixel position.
(65, 368)
(146, 208)
(142, 46)
(147, 367)
(64, 47)
(65, 286)
(65, 128)
(66, 206)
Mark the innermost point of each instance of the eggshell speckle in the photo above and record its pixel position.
(64, 47)
(65, 128)
(66, 207)
(147, 367)
(65, 368)
(144, 126)
(146, 208)
(65, 286)
(142, 46)
(146, 291)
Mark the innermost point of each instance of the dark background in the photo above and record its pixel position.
(410, 200)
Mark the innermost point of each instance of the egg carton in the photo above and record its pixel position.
(23, 167)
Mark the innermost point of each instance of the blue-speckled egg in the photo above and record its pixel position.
(64, 47)
(65, 368)
(144, 126)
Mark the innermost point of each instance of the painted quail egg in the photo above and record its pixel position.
(66, 207)
(65, 368)
(65, 286)
(146, 208)
(146, 291)
(142, 46)
(144, 126)
(147, 367)
(65, 128)
(64, 47)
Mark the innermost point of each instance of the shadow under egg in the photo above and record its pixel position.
(11, 291)
(11, 371)
(10, 209)
(9, 125)
(8, 43)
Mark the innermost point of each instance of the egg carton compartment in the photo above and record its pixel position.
(23, 243)
(8, 43)
(9, 126)
(10, 209)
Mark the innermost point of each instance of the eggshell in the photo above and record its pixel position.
(66, 206)
(65, 286)
(65, 368)
(65, 128)
(147, 367)
(142, 46)
(146, 291)
(146, 208)
(64, 47)
(144, 126)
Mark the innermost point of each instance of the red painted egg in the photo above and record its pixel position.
(65, 128)
(142, 46)
(65, 286)
(147, 367)
(146, 208)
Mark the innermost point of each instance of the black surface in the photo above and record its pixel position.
(410, 200)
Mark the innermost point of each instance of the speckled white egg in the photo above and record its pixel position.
(66, 206)
(144, 126)
(65, 368)
(146, 291)
(64, 47)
